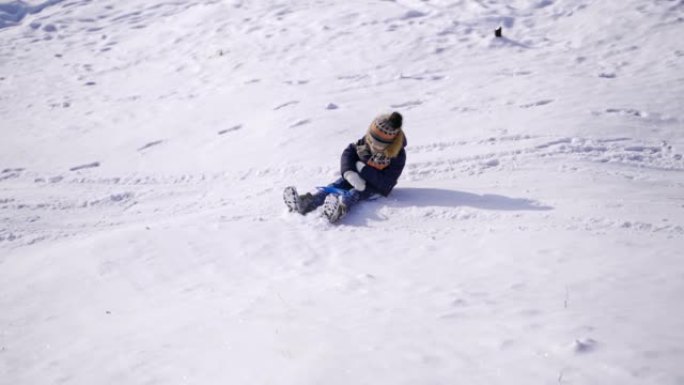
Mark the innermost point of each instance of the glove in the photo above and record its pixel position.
(359, 166)
(355, 180)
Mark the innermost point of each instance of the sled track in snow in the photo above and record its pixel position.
(509, 152)
(33, 206)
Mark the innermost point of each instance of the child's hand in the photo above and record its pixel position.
(359, 166)
(355, 180)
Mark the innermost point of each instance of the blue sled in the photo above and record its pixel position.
(335, 190)
(344, 193)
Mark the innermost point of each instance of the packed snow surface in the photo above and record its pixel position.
(535, 236)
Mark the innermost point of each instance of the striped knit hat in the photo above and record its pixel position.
(385, 128)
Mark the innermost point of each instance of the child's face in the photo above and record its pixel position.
(374, 145)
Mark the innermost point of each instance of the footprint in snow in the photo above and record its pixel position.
(413, 14)
(290, 103)
(624, 111)
(10, 173)
(412, 103)
(301, 123)
(12, 170)
(85, 166)
(150, 144)
(585, 345)
(227, 130)
(537, 104)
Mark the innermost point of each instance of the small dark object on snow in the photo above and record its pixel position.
(498, 32)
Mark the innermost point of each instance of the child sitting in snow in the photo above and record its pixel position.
(371, 166)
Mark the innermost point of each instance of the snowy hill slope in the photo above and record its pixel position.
(534, 237)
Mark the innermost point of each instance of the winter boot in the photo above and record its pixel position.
(296, 202)
(333, 208)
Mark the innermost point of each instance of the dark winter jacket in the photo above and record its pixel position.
(380, 181)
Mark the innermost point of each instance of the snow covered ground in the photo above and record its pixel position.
(535, 236)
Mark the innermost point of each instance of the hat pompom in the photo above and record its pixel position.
(395, 120)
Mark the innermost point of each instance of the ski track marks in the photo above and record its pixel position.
(520, 149)
(102, 203)
(130, 199)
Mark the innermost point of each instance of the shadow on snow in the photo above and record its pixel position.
(424, 197)
(407, 197)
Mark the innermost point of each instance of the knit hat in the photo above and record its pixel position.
(385, 128)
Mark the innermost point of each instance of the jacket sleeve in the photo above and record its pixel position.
(385, 180)
(349, 159)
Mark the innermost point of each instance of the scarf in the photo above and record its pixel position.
(378, 160)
